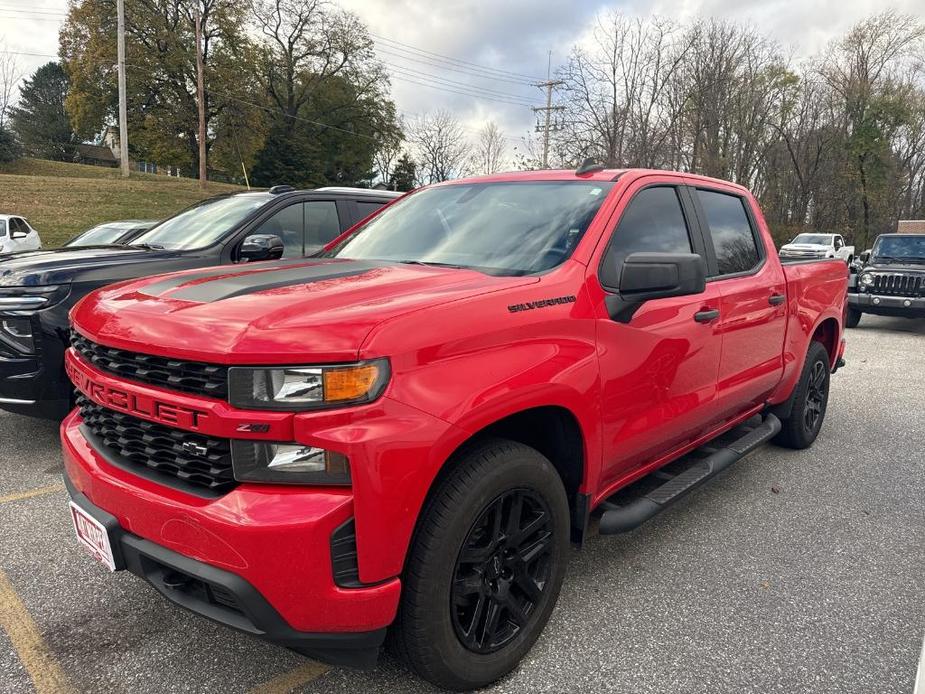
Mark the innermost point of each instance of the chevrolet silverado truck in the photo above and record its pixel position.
(407, 432)
(816, 246)
(37, 289)
(890, 280)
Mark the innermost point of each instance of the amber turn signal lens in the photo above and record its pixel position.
(350, 383)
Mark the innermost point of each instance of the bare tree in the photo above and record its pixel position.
(616, 91)
(490, 154)
(10, 75)
(440, 146)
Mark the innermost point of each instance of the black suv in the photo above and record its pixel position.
(890, 279)
(38, 288)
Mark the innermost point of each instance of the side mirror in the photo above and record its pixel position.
(865, 256)
(642, 277)
(18, 234)
(261, 247)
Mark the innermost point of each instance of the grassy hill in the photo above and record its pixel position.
(61, 199)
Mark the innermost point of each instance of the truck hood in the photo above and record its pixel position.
(300, 311)
(904, 266)
(805, 247)
(64, 265)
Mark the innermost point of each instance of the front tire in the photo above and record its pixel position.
(853, 317)
(810, 401)
(485, 566)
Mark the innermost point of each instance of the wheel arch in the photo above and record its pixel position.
(555, 431)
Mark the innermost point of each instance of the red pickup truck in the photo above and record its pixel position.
(408, 430)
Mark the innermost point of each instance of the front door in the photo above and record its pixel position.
(659, 370)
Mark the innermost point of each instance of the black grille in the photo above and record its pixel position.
(898, 285)
(195, 377)
(192, 462)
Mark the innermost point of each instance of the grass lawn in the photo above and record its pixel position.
(61, 199)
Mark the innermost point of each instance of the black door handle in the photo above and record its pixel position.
(707, 315)
(776, 299)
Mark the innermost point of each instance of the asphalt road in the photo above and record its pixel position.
(792, 572)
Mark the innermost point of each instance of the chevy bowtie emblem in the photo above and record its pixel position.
(195, 448)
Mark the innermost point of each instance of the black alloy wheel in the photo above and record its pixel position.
(817, 396)
(502, 570)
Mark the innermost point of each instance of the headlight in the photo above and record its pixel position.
(31, 298)
(867, 279)
(287, 463)
(17, 333)
(307, 387)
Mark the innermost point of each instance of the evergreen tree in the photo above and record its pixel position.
(9, 149)
(403, 174)
(40, 119)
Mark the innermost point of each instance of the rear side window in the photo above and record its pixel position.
(653, 222)
(731, 231)
(2, 227)
(365, 208)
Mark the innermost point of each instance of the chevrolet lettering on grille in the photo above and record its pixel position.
(133, 403)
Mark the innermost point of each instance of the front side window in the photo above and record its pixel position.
(503, 228)
(289, 225)
(731, 231)
(203, 224)
(653, 222)
(322, 224)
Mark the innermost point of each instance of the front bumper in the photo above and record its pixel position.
(36, 385)
(265, 550)
(887, 305)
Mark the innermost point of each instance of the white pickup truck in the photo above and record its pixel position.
(815, 246)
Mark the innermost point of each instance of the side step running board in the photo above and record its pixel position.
(621, 519)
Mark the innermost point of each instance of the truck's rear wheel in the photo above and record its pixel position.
(853, 317)
(485, 566)
(810, 400)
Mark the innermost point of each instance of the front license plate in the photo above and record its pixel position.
(92, 535)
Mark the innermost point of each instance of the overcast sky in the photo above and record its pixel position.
(513, 36)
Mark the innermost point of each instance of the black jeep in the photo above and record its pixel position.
(889, 280)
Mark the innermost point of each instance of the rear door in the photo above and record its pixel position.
(659, 370)
(753, 307)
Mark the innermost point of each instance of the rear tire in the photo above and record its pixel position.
(485, 567)
(853, 317)
(810, 400)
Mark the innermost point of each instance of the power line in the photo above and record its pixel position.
(451, 59)
(32, 19)
(417, 74)
(431, 62)
(38, 55)
(454, 91)
(6, 8)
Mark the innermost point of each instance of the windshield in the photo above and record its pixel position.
(819, 239)
(900, 247)
(506, 228)
(203, 224)
(104, 233)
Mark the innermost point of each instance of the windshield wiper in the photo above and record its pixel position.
(147, 246)
(433, 263)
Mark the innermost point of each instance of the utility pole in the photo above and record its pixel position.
(200, 97)
(123, 109)
(549, 84)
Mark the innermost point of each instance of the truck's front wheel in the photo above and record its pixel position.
(485, 567)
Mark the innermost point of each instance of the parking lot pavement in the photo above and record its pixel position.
(792, 572)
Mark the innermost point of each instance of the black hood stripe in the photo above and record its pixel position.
(230, 287)
(175, 280)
